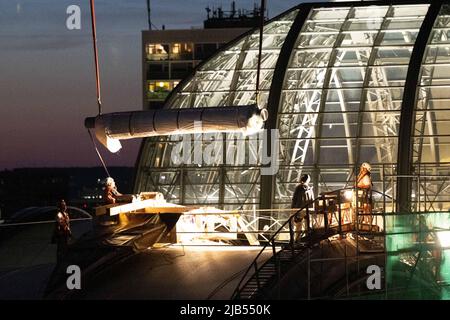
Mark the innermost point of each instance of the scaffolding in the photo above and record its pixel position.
(334, 79)
(331, 254)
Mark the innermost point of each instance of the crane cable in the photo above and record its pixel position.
(98, 153)
(97, 78)
(97, 69)
(261, 29)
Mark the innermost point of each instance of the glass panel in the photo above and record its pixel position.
(310, 58)
(329, 13)
(431, 143)
(370, 12)
(392, 56)
(352, 57)
(347, 77)
(410, 11)
(335, 151)
(300, 78)
(343, 100)
(359, 38)
(398, 37)
(437, 54)
(388, 76)
(339, 125)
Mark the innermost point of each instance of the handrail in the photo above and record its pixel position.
(271, 241)
(13, 224)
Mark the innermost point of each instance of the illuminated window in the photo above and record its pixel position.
(158, 86)
(157, 51)
(181, 51)
(176, 48)
(159, 90)
(163, 85)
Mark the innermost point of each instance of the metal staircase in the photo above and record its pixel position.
(318, 223)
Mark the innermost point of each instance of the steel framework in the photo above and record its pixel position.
(344, 83)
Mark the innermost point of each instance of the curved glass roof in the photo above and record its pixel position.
(229, 78)
(338, 102)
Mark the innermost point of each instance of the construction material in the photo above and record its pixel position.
(112, 127)
(145, 202)
(147, 206)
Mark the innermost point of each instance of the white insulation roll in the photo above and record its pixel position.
(112, 127)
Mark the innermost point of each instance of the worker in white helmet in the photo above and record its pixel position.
(111, 193)
(364, 183)
(364, 180)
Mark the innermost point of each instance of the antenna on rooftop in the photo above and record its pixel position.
(261, 29)
(149, 15)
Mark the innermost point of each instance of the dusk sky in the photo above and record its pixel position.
(47, 79)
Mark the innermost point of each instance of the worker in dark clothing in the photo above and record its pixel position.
(302, 196)
(303, 193)
(62, 232)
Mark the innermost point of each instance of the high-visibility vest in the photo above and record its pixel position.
(364, 182)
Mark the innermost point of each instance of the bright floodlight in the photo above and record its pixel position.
(444, 238)
(348, 194)
(113, 145)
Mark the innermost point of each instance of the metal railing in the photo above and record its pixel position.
(312, 224)
(28, 244)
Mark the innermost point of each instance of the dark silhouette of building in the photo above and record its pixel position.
(168, 56)
(81, 187)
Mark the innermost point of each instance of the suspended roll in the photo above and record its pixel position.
(112, 127)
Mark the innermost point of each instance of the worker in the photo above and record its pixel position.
(112, 196)
(111, 193)
(62, 232)
(364, 180)
(364, 184)
(303, 195)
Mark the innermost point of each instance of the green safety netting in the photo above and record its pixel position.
(417, 256)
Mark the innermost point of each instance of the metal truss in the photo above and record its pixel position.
(226, 79)
(339, 104)
(425, 122)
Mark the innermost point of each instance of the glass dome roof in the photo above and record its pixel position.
(344, 83)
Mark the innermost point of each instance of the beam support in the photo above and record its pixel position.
(404, 156)
(274, 101)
